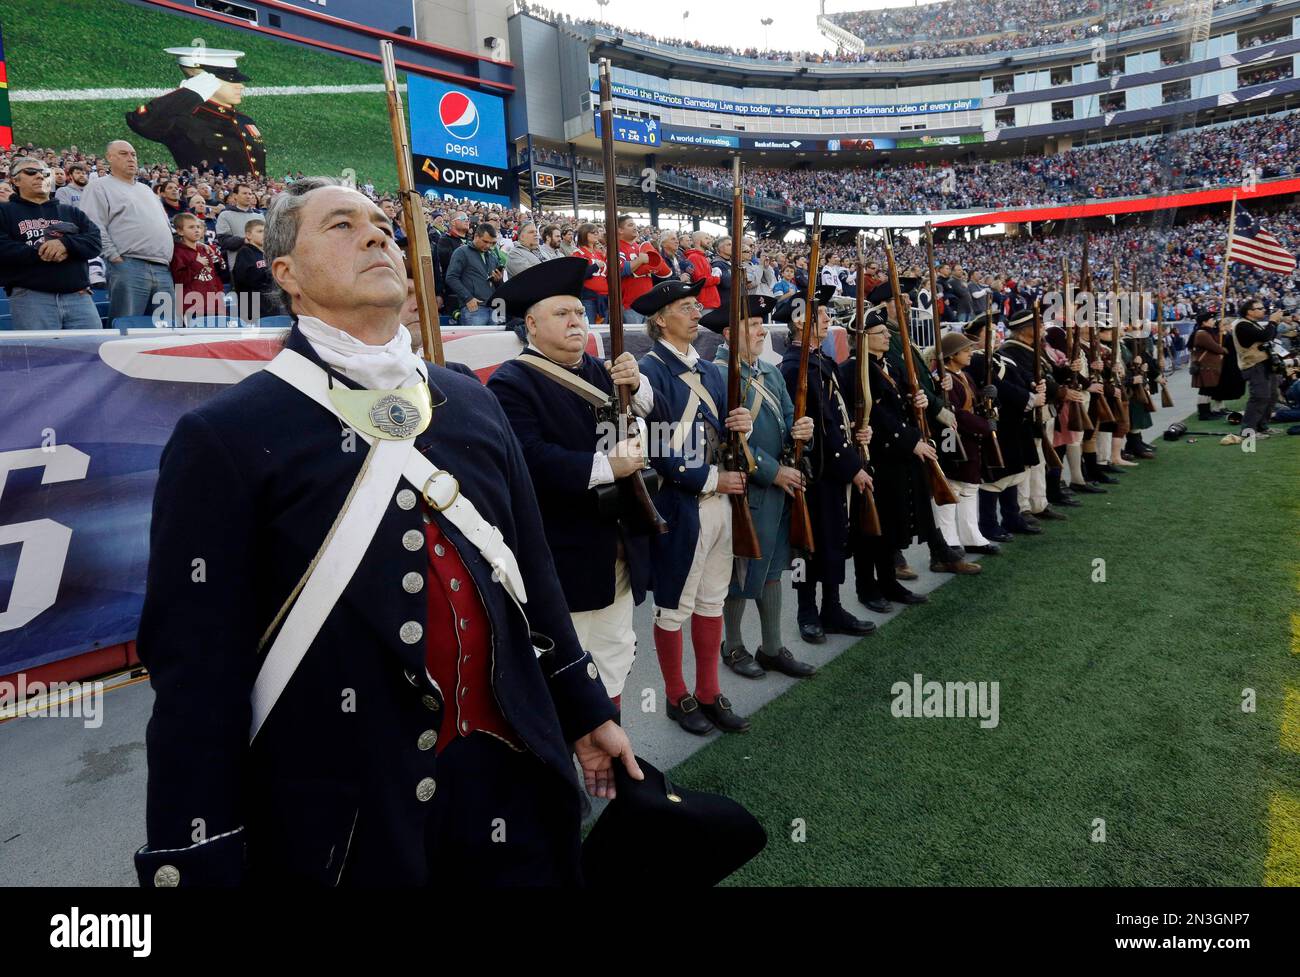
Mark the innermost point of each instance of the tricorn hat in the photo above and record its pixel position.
(757, 307)
(665, 293)
(655, 833)
(559, 276)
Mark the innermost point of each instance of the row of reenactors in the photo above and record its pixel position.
(553, 395)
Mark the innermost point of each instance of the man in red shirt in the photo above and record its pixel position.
(702, 270)
(640, 263)
(195, 266)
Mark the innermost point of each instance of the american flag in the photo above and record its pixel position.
(1254, 246)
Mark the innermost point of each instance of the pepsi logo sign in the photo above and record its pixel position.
(458, 114)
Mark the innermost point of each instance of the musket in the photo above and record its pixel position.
(1116, 345)
(1050, 456)
(864, 503)
(1136, 297)
(801, 536)
(1099, 406)
(1166, 398)
(940, 490)
(419, 253)
(638, 511)
(989, 409)
(735, 456)
(934, 286)
(1079, 420)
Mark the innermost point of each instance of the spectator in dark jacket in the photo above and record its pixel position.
(472, 276)
(455, 237)
(44, 248)
(251, 281)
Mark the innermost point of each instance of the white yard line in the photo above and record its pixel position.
(135, 94)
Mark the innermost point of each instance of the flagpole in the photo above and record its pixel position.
(1227, 260)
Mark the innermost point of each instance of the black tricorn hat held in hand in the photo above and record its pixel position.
(657, 834)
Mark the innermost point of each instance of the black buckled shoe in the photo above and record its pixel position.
(996, 534)
(1069, 501)
(1088, 488)
(876, 604)
(836, 620)
(1050, 513)
(904, 596)
(1024, 528)
(720, 714)
(690, 716)
(810, 630)
(785, 663)
(742, 662)
(992, 549)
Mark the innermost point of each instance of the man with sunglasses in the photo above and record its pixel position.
(44, 250)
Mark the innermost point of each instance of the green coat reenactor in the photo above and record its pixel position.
(771, 483)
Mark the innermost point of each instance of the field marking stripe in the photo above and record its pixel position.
(1291, 720)
(124, 94)
(1282, 863)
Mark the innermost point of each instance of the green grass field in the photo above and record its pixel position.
(110, 44)
(1120, 700)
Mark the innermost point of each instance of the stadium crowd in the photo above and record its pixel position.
(218, 252)
(1191, 160)
(953, 28)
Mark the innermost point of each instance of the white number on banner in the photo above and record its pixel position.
(44, 542)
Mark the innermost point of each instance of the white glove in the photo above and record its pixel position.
(204, 84)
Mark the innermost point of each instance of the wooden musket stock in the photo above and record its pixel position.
(864, 502)
(744, 537)
(419, 252)
(640, 516)
(801, 536)
(940, 490)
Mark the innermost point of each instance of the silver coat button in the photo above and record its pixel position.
(406, 499)
(412, 539)
(464, 726)
(430, 702)
(427, 739)
(412, 582)
(455, 584)
(425, 788)
(438, 550)
(167, 877)
(411, 632)
(592, 670)
(464, 623)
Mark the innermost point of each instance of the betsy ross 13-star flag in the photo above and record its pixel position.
(1252, 245)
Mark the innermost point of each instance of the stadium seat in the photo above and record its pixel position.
(6, 322)
(276, 321)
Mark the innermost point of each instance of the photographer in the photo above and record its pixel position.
(44, 250)
(1254, 336)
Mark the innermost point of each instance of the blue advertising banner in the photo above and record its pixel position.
(84, 417)
(454, 123)
(691, 138)
(643, 132)
(83, 420)
(786, 111)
